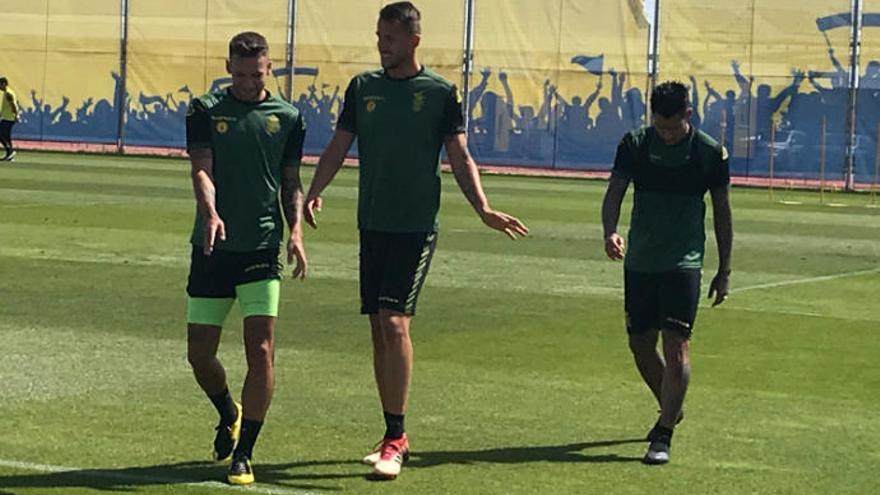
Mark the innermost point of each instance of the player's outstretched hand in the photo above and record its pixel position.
(296, 251)
(312, 206)
(615, 246)
(719, 288)
(503, 222)
(214, 229)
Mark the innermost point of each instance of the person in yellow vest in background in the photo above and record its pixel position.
(8, 117)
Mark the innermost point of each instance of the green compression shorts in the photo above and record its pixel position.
(258, 298)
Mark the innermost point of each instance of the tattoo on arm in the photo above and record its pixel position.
(292, 195)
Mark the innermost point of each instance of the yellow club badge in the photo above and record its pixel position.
(273, 124)
(371, 105)
(222, 127)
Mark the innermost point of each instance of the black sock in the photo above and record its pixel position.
(225, 407)
(664, 434)
(250, 429)
(393, 425)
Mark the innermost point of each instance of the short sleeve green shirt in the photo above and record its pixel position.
(667, 230)
(401, 125)
(251, 143)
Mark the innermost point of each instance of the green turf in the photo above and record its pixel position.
(523, 383)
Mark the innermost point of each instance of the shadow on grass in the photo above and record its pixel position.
(283, 475)
(572, 452)
(133, 479)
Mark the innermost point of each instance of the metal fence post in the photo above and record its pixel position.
(851, 117)
(122, 90)
(467, 58)
(291, 47)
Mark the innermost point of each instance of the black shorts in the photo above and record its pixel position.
(6, 130)
(218, 274)
(661, 301)
(393, 269)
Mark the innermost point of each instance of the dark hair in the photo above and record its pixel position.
(248, 44)
(670, 98)
(404, 12)
(3, 80)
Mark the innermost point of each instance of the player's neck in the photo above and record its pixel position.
(405, 70)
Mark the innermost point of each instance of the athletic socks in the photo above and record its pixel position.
(250, 429)
(393, 425)
(225, 407)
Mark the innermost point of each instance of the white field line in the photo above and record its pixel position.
(156, 480)
(809, 280)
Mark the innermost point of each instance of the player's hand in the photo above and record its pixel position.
(311, 207)
(719, 288)
(615, 247)
(503, 222)
(296, 251)
(215, 230)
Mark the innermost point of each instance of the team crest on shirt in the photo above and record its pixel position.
(273, 124)
(222, 127)
(372, 102)
(418, 102)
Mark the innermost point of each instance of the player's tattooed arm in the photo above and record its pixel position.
(292, 195)
(292, 205)
(202, 160)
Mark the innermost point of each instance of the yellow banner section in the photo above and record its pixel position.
(63, 50)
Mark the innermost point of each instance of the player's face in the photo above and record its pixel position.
(249, 76)
(672, 129)
(396, 44)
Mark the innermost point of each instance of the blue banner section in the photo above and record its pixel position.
(794, 126)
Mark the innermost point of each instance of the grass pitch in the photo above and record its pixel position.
(523, 382)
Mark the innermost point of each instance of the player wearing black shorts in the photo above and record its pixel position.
(402, 116)
(245, 146)
(672, 165)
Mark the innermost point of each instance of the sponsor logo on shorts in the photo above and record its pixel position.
(258, 266)
(678, 322)
(389, 299)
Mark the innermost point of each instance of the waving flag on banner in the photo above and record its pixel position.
(845, 20)
(593, 65)
(833, 21)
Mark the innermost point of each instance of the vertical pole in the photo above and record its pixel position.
(772, 158)
(876, 170)
(467, 58)
(119, 104)
(822, 161)
(654, 56)
(851, 117)
(723, 127)
(291, 46)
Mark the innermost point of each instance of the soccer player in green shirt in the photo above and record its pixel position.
(244, 144)
(402, 116)
(672, 165)
(8, 118)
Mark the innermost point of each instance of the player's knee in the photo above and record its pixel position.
(199, 357)
(642, 345)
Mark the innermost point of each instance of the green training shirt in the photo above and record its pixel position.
(401, 125)
(251, 143)
(667, 230)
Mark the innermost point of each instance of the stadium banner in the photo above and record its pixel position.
(58, 56)
(556, 83)
(336, 40)
(177, 50)
(767, 78)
